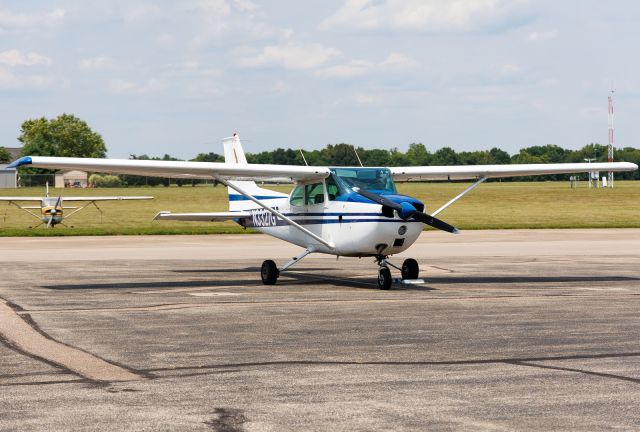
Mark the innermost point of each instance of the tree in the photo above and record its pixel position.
(5, 156)
(418, 154)
(446, 156)
(341, 155)
(208, 157)
(65, 136)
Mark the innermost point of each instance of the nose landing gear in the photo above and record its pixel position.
(409, 271)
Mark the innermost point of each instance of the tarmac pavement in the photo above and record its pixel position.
(513, 330)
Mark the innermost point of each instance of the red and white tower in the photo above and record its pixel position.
(610, 144)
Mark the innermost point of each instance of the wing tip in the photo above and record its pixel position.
(160, 214)
(26, 160)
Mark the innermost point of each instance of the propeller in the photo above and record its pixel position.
(407, 211)
(54, 211)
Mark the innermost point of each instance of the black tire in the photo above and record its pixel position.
(410, 269)
(384, 278)
(269, 272)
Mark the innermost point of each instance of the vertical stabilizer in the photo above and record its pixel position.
(233, 152)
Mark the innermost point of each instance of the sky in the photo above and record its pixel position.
(156, 77)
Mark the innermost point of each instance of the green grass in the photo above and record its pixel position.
(490, 206)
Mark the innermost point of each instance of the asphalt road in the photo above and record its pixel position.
(513, 330)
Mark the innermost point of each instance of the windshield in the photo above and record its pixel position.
(49, 201)
(371, 179)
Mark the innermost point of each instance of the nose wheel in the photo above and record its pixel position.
(410, 271)
(384, 278)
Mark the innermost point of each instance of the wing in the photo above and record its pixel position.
(461, 172)
(20, 198)
(203, 217)
(177, 169)
(106, 198)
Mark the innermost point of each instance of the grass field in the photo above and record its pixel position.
(490, 206)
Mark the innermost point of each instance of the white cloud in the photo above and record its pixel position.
(125, 86)
(279, 87)
(17, 58)
(398, 60)
(365, 99)
(95, 63)
(292, 56)
(421, 15)
(542, 36)
(245, 6)
(215, 14)
(509, 69)
(11, 81)
(12, 20)
(347, 70)
(144, 12)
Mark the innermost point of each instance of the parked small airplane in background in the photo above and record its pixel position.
(52, 209)
(342, 211)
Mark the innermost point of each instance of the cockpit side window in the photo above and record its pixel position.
(332, 188)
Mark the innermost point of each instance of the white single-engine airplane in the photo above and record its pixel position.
(52, 208)
(342, 211)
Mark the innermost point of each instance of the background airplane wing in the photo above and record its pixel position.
(105, 198)
(461, 172)
(20, 198)
(203, 217)
(176, 169)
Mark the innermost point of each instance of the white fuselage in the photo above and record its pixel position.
(354, 228)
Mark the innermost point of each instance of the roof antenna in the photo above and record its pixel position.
(303, 158)
(356, 152)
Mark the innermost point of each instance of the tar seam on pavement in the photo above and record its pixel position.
(19, 334)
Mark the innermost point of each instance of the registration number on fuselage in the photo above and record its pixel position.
(263, 218)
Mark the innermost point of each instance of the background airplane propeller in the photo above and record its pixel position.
(54, 211)
(407, 211)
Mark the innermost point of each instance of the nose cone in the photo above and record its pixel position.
(407, 210)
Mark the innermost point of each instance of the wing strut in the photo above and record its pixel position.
(273, 211)
(466, 191)
(24, 209)
(83, 207)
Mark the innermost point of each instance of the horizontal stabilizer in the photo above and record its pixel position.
(202, 217)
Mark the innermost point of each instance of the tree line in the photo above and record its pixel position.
(69, 136)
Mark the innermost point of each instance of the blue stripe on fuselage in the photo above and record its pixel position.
(259, 197)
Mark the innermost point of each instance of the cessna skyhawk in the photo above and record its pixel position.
(342, 211)
(52, 208)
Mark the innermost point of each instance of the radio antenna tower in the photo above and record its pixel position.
(610, 144)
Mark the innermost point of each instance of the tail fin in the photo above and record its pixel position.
(234, 154)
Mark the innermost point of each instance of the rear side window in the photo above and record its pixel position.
(297, 196)
(314, 193)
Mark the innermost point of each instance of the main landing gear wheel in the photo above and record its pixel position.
(410, 269)
(269, 272)
(384, 278)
